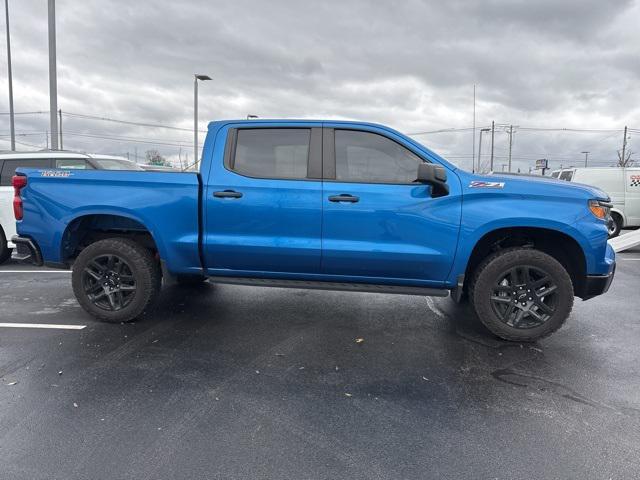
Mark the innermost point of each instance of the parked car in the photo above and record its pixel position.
(10, 161)
(324, 205)
(622, 185)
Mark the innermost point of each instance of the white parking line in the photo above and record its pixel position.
(42, 325)
(35, 271)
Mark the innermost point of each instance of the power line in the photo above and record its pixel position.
(127, 122)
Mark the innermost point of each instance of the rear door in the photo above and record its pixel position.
(377, 221)
(263, 202)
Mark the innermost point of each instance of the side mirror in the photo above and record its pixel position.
(434, 175)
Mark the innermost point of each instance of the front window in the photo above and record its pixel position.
(371, 158)
(566, 175)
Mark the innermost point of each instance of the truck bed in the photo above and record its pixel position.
(167, 203)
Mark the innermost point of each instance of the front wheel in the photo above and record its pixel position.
(522, 294)
(615, 225)
(116, 279)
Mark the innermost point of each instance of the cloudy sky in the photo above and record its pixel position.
(544, 64)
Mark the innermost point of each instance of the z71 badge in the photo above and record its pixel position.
(481, 184)
(55, 173)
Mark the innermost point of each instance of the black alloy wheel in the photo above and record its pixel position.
(108, 282)
(524, 297)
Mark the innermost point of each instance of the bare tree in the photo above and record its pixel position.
(626, 161)
(153, 157)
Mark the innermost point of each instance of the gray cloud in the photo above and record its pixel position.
(410, 64)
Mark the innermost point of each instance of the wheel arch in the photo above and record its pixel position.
(89, 227)
(620, 213)
(560, 245)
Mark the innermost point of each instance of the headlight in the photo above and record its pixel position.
(600, 209)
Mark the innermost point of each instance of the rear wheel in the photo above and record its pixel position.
(522, 294)
(615, 225)
(5, 251)
(116, 279)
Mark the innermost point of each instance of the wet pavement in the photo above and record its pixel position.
(240, 382)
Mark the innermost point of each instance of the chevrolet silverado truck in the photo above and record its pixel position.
(323, 205)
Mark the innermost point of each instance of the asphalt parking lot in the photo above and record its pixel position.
(242, 382)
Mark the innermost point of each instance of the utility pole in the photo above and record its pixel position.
(11, 114)
(53, 79)
(60, 117)
(473, 143)
(493, 132)
(586, 158)
(510, 144)
(624, 146)
(482, 130)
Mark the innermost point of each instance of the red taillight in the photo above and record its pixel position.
(18, 182)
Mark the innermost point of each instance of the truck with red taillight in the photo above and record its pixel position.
(325, 205)
(58, 159)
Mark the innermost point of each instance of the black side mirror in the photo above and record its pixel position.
(434, 175)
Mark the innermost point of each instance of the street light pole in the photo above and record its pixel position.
(586, 157)
(53, 79)
(196, 77)
(11, 115)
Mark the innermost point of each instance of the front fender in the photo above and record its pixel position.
(471, 237)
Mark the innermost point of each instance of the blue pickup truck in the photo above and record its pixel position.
(325, 205)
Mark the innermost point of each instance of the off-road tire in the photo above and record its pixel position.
(145, 269)
(488, 273)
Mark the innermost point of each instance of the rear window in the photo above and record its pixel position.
(115, 164)
(10, 165)
(566, 175)
(72, 163)
(272, 152)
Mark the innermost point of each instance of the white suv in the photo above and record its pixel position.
(9, 161)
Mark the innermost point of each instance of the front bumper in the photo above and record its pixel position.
(595, 285)
(26, 251)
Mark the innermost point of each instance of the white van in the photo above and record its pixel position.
(9, 161)
(622, 185)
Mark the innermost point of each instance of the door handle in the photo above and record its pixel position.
(227, 194)
(344, 197)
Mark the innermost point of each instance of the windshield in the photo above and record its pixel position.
(566, 175)
(115, 164)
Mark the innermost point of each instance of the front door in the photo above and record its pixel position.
(263, 203)
(377, 221)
